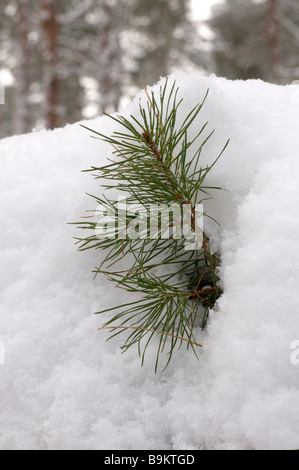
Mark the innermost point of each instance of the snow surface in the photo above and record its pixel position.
(63, 386)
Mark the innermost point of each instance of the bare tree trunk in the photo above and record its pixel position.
(273, 34)
(110, 55)
(22, 121)
(50, 30)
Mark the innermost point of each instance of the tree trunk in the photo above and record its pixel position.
(110, 56)
(273, 34)
(51, 83)
(22, 120)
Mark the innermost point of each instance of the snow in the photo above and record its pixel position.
(63, 386)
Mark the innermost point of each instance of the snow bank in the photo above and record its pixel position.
(63, 386)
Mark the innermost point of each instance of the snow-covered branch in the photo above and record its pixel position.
(76, 13)
(289, 26)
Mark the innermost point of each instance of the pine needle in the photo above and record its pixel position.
(147, 329)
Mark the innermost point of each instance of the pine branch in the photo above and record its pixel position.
(153, 165)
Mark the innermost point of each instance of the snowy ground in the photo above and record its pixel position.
(63, 386)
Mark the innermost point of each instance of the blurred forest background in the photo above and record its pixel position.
(62, 61)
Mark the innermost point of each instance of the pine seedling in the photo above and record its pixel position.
(153, 164)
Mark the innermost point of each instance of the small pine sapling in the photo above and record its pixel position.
(153, 165)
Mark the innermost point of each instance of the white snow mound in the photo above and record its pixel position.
(64, 387)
